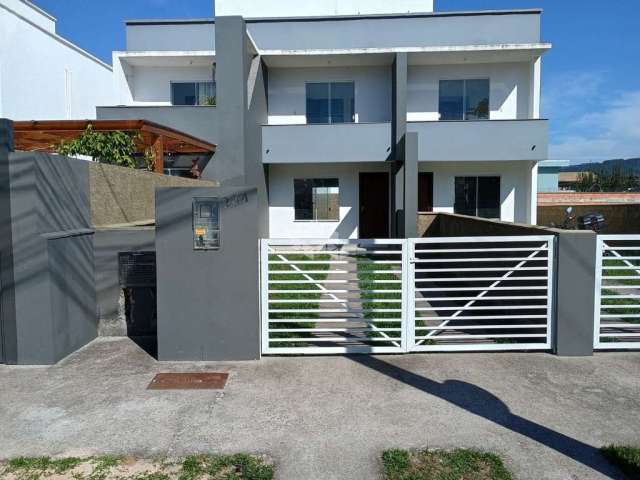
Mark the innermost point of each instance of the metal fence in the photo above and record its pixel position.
(333, 296)
(481, 293)
(617, 299)
(396, 296)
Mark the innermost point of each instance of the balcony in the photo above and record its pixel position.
(483, 140)
(199, 121)
(344, 142)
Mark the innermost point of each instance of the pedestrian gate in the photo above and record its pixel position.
(617, 305)
(406, 295)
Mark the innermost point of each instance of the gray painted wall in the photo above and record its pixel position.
(482, 140)
(576, 269)
(7, 298)
(175, 36)
(108, 243)
(348, 142)
(52, 280)
(241, 88)
(199, 121)
(208, 301)
(384, 32)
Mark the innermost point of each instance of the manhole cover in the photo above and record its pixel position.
(188, 381)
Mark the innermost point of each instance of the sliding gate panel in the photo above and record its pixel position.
(481, 293)
(617, 305)
(333, 296)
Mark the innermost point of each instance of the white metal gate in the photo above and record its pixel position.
(333, 296)
(396, 296)
(481, 293)
(617, 299)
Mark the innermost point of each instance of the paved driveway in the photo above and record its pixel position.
(330, 417)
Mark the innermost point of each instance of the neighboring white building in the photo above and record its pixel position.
(468, 84)
(42, 75)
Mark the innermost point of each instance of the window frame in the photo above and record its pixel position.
(464, 81)
(172, 99)
(477, 182)
(329, 82)
(315, 220)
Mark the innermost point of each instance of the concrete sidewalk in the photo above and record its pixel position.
(331, 417)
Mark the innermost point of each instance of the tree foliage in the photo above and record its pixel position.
(115, 148)
(614, 180)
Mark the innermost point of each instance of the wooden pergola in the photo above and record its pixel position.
(46, 135)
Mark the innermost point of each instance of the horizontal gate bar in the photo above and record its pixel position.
(483, 299)
(485, 259)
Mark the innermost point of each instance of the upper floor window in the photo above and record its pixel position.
(464, 99)
(193, 93)
(331, 102)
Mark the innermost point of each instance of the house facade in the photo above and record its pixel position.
(350, 117)
(42, 75)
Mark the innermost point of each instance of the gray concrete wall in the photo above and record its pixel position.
(575, 293)
(200, 121)
(7, 298)
(483, 140)
(348, 142)
(382, 31)
(52, 284)
(108, 243)
(208, 301)
(241, 87)
(185, 35)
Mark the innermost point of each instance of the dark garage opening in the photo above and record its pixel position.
(137, 273)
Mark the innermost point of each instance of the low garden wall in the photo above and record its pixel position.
(123, 196)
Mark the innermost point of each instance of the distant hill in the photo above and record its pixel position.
(630, 164)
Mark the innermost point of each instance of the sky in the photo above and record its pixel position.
(591, 77)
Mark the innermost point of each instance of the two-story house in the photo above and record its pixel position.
(350, 116)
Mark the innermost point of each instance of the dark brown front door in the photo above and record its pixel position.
(425, 192)
(374, 205)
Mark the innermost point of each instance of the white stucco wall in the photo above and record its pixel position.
(296, 8)
(509, 94)
(32, 13)
(515, 185)
(43, 76)
(152, 85)
(282, 223)
(287, 92)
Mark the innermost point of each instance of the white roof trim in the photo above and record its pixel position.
(165, 53)
(435, 49)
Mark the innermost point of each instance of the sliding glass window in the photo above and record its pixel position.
(464, 99)
(477, 196)
(193, 93)
(330, 102)
(316, 199)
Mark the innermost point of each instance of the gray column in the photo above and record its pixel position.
(228, 164)
(398, 131)
(410, 206)
(576, 269)
(8, 347)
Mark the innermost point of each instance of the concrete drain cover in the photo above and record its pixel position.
(188, 381)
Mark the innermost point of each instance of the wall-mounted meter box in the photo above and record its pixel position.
(206, 223)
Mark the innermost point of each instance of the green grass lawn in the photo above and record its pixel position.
(195, 467)
(308, 291)
(626, 458)
(366, 282)
(443, 465)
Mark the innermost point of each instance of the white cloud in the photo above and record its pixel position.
(613, 132)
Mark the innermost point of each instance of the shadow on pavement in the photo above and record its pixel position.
(480, 402)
